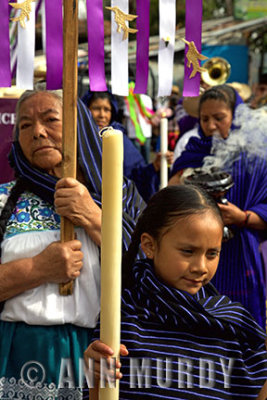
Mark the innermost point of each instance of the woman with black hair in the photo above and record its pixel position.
(231, 136)
(104, 109)
(184, 340)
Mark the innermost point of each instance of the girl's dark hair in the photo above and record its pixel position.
(223, 93)
(163, 210)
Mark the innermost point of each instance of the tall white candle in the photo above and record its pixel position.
(163, 150)
(111, 247)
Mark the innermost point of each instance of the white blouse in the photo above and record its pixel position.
(32, 227)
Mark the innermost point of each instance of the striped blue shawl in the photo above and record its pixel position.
(194, 333)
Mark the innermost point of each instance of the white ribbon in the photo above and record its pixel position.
(26, 51)
(119, 53)
(43, 19)
(167, 15)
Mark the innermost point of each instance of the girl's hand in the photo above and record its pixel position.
(232, 214)
(97, 350)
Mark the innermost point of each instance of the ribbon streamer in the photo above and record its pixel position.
(13, 36)
(167, 12)
(135, 107)
(43, 22)
(96, 52)
(26, 51)
(119, 53)
(142, 40)
(54, 43)
(5, 71)
(193, 30)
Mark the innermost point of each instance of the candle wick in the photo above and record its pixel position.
(103, 130)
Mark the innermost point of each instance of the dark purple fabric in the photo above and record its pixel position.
(240, 273)
(96, 52)
(142, 42)
(5, 73)
(193, 29)
(54, 44)
(7, 122)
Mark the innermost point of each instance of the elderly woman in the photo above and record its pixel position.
(43, 334)
(240, 273)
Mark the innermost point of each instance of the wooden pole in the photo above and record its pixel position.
(69, 140)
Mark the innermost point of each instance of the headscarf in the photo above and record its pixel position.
(199, 147)
(89, 145)
(133, 162)
(114, 107)
(86, 99)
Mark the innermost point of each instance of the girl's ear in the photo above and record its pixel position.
(148, 245)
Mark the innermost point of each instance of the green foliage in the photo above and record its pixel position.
(208, 8)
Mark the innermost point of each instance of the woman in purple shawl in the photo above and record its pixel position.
(104, 109)
(240, 274)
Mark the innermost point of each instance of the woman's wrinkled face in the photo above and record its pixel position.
(215, 117)
(101, 111)
(40, 132)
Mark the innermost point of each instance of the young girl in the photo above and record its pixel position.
(184, 340)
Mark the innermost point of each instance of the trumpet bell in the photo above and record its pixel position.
(217, 71)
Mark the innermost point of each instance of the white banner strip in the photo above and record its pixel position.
(119, 53)
(43, 19)
(167, 16)
(26, 51)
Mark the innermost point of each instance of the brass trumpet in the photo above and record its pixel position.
(217, 71)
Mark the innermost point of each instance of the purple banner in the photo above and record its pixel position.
(96, 52)
(54, 44)
(193, 30)
(142, 40)
(5, 72)
(7, 122)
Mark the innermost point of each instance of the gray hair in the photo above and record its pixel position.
(38, 88)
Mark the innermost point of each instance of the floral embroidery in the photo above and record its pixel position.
(20, 390)
(31, 213)
(4, 189)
